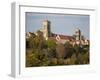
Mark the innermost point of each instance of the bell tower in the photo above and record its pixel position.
(46, 29)
(78, 34)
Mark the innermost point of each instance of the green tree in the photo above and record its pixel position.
(51, 47)
(37, 58)
(51, 44)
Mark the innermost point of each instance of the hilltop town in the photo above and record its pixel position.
(45, 48)
(77, 37)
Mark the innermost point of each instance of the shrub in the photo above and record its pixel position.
(73, 59)
(67, 61)
(60, 61)
(53, 61)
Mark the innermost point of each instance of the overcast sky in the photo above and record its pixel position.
(60, 23)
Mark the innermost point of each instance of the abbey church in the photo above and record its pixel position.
(76, 38)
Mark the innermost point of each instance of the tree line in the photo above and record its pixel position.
(41, 52)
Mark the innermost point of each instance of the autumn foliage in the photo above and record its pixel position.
(41, 52)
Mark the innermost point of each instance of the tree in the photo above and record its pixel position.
(60, 61)
(60, 51)
(73, 59)
(37, 41)
(53, 61)
(37, 58)
(51, 47)
(83, 58)
(42, 57)
(31, 60)
(51, 44)
(67, 61)
(69, 50)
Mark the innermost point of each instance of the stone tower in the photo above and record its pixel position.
(78, 34)
(46, 29)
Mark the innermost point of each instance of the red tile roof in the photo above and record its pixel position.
(64, 37)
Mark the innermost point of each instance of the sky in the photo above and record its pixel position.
(64, 24)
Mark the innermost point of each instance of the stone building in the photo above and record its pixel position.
(47, 34)
(46, 29)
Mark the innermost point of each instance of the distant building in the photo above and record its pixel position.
(77, 38)
(78, 34)
(46, 29)
(30, 34)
